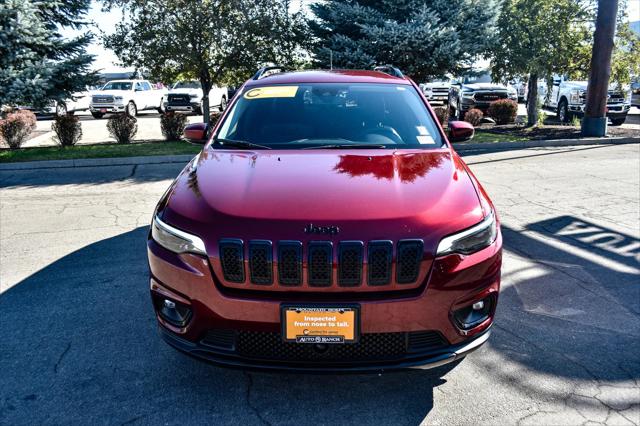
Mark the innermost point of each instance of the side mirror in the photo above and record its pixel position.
(460, 131)
(196, 133)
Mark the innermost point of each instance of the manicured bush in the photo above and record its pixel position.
(442, 113)
(16, 126)
(122, 128)
(474, 116)
(67, 129)
(172, 125)
(503, 111)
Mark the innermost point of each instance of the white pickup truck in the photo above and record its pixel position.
(186, 96)
(568, 99)
(128, 96)
(437, 91)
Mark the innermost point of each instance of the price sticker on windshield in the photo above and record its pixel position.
(271, 92)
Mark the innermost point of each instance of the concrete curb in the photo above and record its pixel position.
(96, 162)
(508, 146)
(161, 159)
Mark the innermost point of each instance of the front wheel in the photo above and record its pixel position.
(223, 103)
(618, 121)
(161, 108)
(563, 112)
(132, 110)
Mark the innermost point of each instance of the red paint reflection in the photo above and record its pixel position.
(407, 167)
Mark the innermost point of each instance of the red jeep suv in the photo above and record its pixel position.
(327, 225)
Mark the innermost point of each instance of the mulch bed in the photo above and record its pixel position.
(552, 130)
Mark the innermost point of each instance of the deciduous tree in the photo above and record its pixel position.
(213, 41)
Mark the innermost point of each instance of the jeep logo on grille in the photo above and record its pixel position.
(328, 230)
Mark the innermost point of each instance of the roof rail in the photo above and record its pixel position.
(261, 72)
(389, 69)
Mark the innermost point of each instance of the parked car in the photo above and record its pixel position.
(126, 96)
(327, 224)
(476, 91)
(521, 87)
(568, 99)
(187, 96)
(437, 91)
(78, 101)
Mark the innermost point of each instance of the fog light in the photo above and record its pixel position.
(472, 315)
(174, 313)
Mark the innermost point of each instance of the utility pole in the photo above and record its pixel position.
(594, 122)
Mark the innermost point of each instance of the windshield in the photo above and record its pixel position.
(187, 85)
(482, 78)
(331, 115)
(117, 85)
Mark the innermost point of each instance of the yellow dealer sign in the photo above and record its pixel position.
(271, 92)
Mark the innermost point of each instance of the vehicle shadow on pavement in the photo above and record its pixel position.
(80, 345)
(89, 175)
(569, 304)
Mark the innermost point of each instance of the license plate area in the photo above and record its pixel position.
(320, 324)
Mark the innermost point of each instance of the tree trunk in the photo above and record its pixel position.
(205, 82)
(532, 100)
(595, 120)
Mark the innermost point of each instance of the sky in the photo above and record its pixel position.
(107, 61)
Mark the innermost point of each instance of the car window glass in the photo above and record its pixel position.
(146, 85)
(296, 116)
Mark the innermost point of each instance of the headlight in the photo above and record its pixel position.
(176, 240)
(468, 94)
(470, 240)
(117, 99)
(575, 96)
(193, 96)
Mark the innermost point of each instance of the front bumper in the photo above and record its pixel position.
(453, 282)
(230, 358)
(613, 110)
(107, 108)
(193, 106)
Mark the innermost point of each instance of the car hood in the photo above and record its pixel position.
(110, 92)
(369, 195)
(186, 91)
(485, 86)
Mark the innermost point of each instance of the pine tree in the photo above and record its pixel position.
(423, 38)
(37, 64)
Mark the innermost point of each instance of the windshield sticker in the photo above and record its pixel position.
(422, 130)
(272, 92)
(425, 140)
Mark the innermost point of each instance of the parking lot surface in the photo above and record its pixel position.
(79, 342)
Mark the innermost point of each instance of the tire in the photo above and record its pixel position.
(223, 104)
(61, 109)
(618, 121)
(200, 110)
(132, 110)
(161, 109)
(97, 115)
(564, 115)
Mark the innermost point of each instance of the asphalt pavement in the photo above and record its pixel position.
(80, 346)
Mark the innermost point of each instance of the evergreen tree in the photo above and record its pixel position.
(423, 38)
(37, 64)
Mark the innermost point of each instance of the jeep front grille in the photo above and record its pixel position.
(347, 264)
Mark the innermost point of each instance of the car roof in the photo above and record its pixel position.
(328, 76)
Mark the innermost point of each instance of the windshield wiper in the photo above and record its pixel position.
(239, 144)
(347, 146)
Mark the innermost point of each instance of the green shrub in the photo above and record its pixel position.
(442, 113)
(16, 126)
(172, 125)
(474, 116)
(542, 117)
(67, 129)
(122, 128)
(503, 111)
